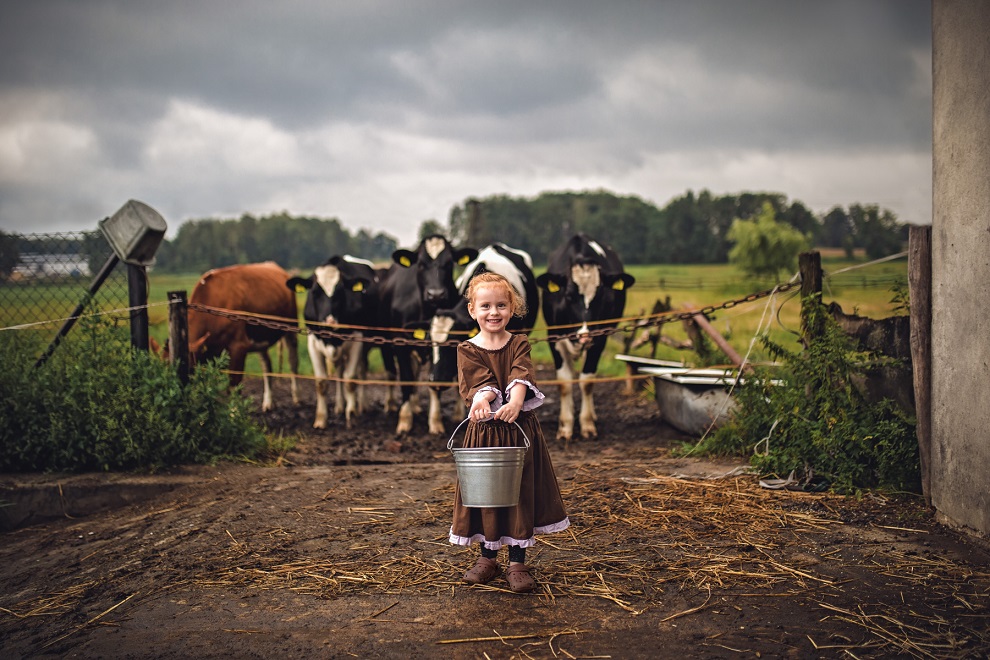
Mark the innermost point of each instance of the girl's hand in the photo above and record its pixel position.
(508, 413)
(481, 408)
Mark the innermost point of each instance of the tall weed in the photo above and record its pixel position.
(817, 425)
(99, 404)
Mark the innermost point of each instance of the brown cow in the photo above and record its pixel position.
(254, 289)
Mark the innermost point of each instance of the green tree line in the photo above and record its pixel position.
(292, 242)
(692, 228)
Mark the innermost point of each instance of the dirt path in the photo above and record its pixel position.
(342, 552)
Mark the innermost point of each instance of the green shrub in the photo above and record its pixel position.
(816, 424)
(99, 404)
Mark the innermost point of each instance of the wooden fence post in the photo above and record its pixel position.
(920, 291)
(810, 267)
(137, 295)
(178, 333)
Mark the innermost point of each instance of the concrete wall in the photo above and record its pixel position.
(960, 466)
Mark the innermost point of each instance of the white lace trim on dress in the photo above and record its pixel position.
(508, 540)
(529, 404)
(497, 403)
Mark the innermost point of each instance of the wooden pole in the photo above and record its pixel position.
(178, 332)
(920, 288)
(719, 340)
(137, 294)
(810, 267)
(94, 286)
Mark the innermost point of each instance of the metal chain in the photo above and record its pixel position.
(638, 323)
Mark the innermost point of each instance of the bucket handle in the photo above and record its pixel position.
(450, 443)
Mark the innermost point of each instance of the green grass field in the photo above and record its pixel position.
(867, 290)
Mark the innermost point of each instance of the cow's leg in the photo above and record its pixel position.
(353, 352)
(406, 376)
(595, 348)
(320, 355)
(588, 416)
(266, 370)
(388, 360)
(362, 374)
(567, 353)
(565, 421)
(340, 369)
(436, 414)
(416, 361)
(292, 346)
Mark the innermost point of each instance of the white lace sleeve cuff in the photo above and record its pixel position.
(497, 403)
(533, 402)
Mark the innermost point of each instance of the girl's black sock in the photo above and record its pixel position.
(488, 554)
(517, 553)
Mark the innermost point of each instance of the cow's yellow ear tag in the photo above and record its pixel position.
(300, 288)
(618, 285)
(463, 260)
(404, 261)
(474, 331)
(358, 286)
(419, 334)
(553, 287)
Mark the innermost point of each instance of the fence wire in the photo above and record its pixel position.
(43, 277)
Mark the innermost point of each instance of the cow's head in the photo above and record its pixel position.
(197, 350)
(586, 292)
(447, 324)
(434, 262)
(338, 290)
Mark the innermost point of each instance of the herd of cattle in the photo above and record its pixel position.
(364, 307)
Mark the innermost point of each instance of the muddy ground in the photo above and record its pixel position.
(339, 550)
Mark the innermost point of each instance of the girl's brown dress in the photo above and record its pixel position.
(540, 509)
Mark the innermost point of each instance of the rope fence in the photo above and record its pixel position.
(381, 336)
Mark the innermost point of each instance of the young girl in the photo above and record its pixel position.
(497, 379)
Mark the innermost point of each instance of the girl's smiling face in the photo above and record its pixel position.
(491, 308)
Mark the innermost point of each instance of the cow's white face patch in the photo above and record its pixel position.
(587, 278)
(439, 331)
(327, 276)
(434, 246)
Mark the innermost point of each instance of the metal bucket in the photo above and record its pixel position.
(489, 476)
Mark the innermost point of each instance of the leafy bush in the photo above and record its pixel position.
(99, 404)
(817, 423)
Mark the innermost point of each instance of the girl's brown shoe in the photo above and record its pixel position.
(482, 572)
(519, 579)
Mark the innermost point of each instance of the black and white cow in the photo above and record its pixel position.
(417, 284)
(456, 323)
(584, 284)
(341, 291)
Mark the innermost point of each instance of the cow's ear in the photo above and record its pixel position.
(464, 256)
(404, 258)
(197, 346)
(299, 283)
(620, 282)
(551, 282)
(420, 329)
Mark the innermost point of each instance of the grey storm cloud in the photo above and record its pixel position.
(387, 113)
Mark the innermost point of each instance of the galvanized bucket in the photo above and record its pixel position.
(489, 476)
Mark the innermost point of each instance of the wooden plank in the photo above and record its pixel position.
(920, 287)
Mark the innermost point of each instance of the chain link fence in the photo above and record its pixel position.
(44, 277)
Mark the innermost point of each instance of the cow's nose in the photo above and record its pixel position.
(435, 295)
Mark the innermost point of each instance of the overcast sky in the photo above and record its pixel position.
(386, 113)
